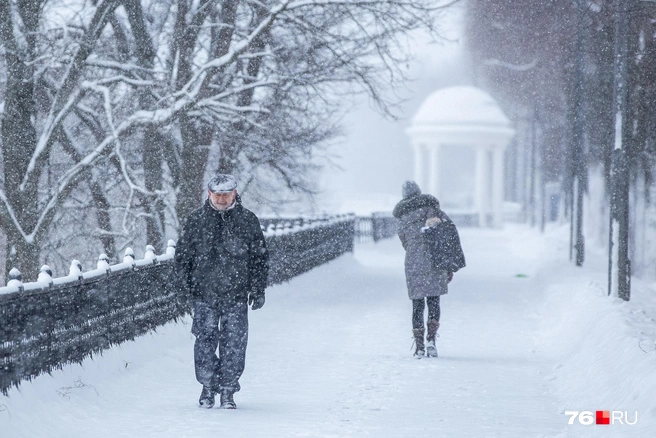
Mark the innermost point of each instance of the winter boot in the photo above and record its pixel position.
(419, 342)
(227, 402)
(431, 349)
(206, 399)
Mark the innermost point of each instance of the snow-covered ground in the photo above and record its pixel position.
(525, 337)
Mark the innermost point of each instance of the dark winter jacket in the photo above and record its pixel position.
(221, 257)
(423, 278)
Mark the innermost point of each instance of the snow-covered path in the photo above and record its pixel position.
(330, 355)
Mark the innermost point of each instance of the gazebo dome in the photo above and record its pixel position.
(461, 105)
(459, 135)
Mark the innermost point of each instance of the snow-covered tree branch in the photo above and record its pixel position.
(159, 89)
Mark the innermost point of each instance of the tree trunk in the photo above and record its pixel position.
(151, 153)
(196, 134)
(197, 139)
(97, 195)
(152, 164)
(231, 146)
(23, 256)
(18, 143)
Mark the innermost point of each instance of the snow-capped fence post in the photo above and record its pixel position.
(129, 256)
(170, 248)
(45, 275)
(280, 228)
(75, 271)
(103, 263)
(150, 253)
(15, 279)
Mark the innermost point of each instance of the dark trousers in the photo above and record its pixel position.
(227, 329)
(418, 311)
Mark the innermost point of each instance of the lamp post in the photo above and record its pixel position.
(579, 168)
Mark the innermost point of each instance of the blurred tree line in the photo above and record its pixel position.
(551, 64)
(114, 111)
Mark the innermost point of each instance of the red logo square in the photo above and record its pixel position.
(603, 417)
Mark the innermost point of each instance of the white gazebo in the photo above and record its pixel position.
(459, 135)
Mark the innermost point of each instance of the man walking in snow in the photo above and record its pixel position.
(429, 263)
(222, 265)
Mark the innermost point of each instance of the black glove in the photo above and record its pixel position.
(256, 299)
(450, 277)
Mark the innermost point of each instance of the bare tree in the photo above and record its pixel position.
(142, 91)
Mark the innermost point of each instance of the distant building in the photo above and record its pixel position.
(459, 135)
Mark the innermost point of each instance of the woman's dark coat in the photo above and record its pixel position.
(422, 278)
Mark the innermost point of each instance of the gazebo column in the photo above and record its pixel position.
(497, 187)
(482, 184)
(420, 166)
(434, 181)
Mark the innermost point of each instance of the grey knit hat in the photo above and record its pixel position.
(222, 183)
(410, 188)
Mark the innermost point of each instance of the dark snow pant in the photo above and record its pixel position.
(418, 311)
(227, 329)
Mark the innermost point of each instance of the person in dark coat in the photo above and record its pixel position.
(426, 281)
(222, 267)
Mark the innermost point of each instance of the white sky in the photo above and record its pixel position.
(375, 154)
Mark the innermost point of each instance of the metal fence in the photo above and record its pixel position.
(384, 226)
(374, 228)
(295, 248)
(48, 324)
(364, 229)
